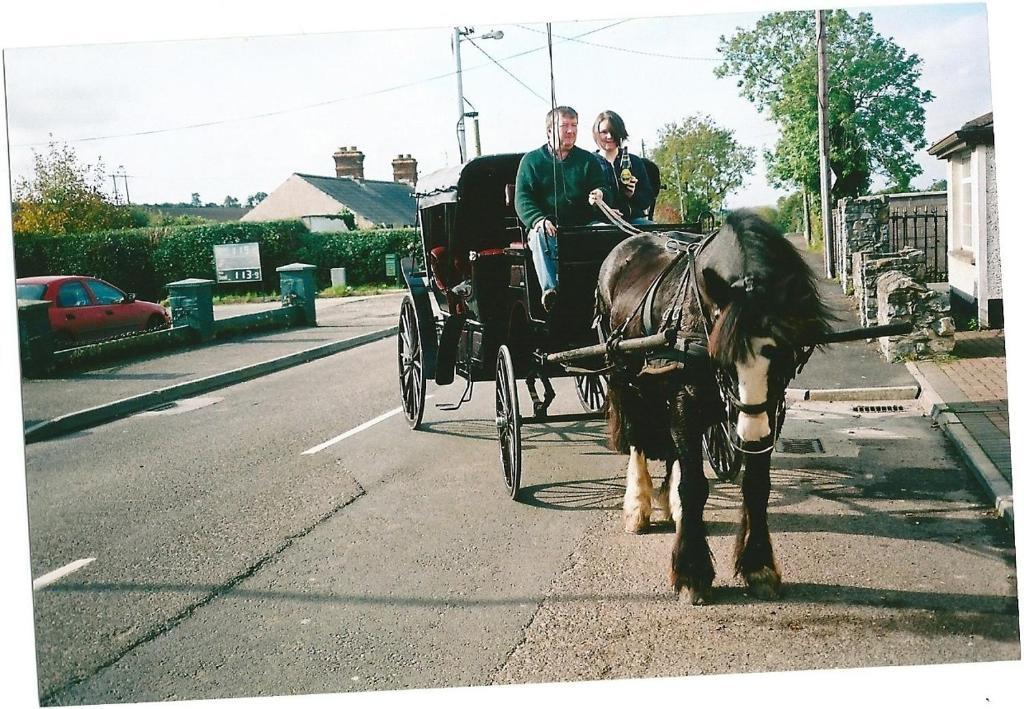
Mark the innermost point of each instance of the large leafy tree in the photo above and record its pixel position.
(700, 163)
(64, 196)
(876, 109)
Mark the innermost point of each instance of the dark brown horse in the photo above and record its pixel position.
(744, 306)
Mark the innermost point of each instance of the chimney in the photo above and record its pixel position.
(348, 162)
(404, 167)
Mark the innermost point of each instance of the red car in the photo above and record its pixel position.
(86, 309)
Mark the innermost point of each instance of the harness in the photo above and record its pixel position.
(685, 346)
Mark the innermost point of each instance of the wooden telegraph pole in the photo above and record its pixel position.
(824, 166)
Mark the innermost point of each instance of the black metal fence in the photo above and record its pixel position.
(922, 228)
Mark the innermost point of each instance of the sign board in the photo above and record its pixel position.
(391, 265)
(237, 262)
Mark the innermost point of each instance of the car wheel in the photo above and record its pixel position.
(156, 322)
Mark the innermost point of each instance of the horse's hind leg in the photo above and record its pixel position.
(755, 560)
(692, 566)
(636, 506)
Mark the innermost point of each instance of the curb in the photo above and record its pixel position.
(87, 418)
(888, 393)
(970, 450)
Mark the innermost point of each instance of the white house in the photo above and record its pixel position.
(319, 201)
(975, 269)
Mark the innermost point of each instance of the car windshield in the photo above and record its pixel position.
(30, 291)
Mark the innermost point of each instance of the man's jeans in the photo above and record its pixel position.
(545, 256)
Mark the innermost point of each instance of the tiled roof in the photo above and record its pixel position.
(374, 200)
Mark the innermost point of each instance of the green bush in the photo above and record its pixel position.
(144, 261)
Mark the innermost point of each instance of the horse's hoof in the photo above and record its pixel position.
(700, 596)
(765, 584)
(636, 522)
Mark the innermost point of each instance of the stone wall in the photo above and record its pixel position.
(902, 299)
(862, 225)
(870, 267)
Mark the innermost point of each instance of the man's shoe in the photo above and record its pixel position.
(549, 298)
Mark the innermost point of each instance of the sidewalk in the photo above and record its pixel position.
(968, 399)
(58, 405)
(966, 396)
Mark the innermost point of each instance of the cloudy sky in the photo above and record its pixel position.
(237, 116)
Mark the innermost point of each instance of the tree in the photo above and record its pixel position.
(230, 201)
(65, 197)
(700, 165)
(876, 110)
(196, 202)
(254, 199)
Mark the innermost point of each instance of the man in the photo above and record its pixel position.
(557, 185)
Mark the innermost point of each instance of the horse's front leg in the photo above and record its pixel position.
(692, 566)
(755, 560)
(636, 506)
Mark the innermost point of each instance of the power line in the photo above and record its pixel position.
(624, 49)
(320, 104)
(499, 65)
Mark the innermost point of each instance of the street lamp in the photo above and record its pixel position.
(459, 33)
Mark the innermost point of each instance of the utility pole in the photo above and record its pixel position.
(474, 117)
(460, 126)
(117, 197)
(124, 176)
(824, 166)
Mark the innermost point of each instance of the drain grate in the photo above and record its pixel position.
(799, 446)
(882, 409)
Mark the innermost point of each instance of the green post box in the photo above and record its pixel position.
(298, 286)
(192, 305)
(35, 337)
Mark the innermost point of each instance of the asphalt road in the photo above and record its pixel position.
(231, 560)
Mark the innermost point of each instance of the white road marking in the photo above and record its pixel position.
(47, 579)
(358, 429)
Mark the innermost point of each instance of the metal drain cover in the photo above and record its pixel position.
(879, 409)
(800, 446)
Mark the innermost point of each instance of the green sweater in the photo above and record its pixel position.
(574, 177)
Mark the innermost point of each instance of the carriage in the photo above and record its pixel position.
(474, 308)
(737, 318)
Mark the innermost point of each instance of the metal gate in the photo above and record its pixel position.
(922, 228)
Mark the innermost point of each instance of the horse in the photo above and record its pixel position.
(744, 312)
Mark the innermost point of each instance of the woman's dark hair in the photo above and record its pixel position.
(615, 122)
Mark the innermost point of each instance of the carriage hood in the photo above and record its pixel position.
(486, 174)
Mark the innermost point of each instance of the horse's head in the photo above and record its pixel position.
(764, 308)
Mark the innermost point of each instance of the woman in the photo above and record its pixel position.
(634, 195)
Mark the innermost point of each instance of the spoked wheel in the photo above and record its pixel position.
(592, 391)
(507, 420)
(725, 460)
(410, 365)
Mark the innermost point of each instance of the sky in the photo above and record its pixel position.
(237, 116)
(199, 61)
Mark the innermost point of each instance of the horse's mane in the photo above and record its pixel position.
(784, 303)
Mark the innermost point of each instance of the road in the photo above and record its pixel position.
(236, 556)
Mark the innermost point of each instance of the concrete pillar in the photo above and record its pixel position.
(298, 286)
(35, 337)
(192, 305)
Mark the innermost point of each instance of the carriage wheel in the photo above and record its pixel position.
(507, 420)
(725, 460)
(592, 392)
(410, 365)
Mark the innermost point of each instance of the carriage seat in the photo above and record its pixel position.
(447, 275)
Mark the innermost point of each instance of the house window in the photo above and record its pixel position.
(964, 195)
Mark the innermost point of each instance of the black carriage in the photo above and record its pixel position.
(474, 303)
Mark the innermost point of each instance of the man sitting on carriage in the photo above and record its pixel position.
(557, 185)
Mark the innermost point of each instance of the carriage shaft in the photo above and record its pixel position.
(651, 342)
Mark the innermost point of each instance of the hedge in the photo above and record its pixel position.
(144, 260)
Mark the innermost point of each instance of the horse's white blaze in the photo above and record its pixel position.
(636, 506)
(752, 381)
